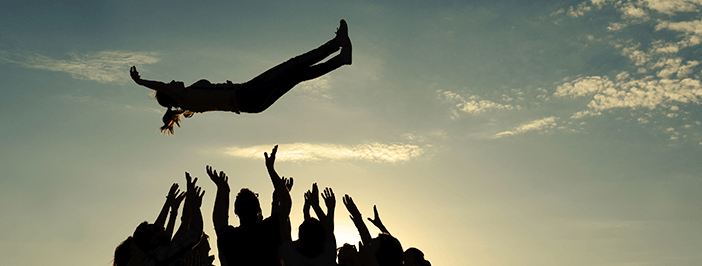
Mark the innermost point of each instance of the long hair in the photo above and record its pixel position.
(171, 116)
(122, 253)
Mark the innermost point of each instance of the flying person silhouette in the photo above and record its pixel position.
(253, 96)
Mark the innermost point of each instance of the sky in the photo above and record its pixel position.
(485, 132)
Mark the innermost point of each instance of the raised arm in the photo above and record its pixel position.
(186, 218)
(330, 201)
(190, 231)
(357, 220)
(196, 223)
(220, 214)
(306, 207)
(283, 196)
(175, 204)
(172, 193)
(275, 204)
(377, 221)
(314, 202)
(270, 166)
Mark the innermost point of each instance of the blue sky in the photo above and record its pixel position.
(487, 133)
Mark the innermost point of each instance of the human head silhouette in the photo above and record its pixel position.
(311, 237)
(415, 257)
(389, 250)
(149, 236)
(348, 255)
(247, 206)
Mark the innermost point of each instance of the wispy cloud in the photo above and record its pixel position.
(103, 67)
(375, 152)
(471, 104)
(660, 73)
(316, 88)
(670, 7)
(539, 124)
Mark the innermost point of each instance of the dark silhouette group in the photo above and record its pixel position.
(258, 240)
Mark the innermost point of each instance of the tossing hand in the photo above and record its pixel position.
(314, 195)
(172, 193)
(175, 204)
(221, 180)
(351, 207)
(197, 196)
(270, 161)
(191, 183)
(329, 198)
(288, 183)
(377, 222)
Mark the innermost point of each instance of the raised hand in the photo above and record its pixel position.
(134, 74)
(191, 183)
(376, 221)
(351, 207)
(221, 180)
(172, 193)
(197, 199)
(270, 161)
(288, 183)
(175, 204)
(306, 206)
(357, 220)
(314, 195)
(329, 198)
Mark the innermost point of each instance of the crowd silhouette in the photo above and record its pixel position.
(258, 240)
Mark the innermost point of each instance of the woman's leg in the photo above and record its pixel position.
(257, 94)
(312, 72)
(269, 80)
(252, 101)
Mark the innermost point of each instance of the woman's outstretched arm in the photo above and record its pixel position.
(154, 85)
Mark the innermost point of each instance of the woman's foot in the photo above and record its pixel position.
(342, 38)
(346, 55)
(342, 35)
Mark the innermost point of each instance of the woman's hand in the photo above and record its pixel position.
(134, 74)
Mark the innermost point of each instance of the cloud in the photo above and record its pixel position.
(675, 79)
(630, 11)
(583, 86)
(548, 122)
(375, 152)
(670, 7)
(103, 67)
(643, 93)
(316, 88)
(691, 34)
(473, 104)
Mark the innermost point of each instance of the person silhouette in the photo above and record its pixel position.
(384, 250)
(316, 244)
(255, 241)
(253, 96)
(150, 244)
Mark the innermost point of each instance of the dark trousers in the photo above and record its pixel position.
(261, 92)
